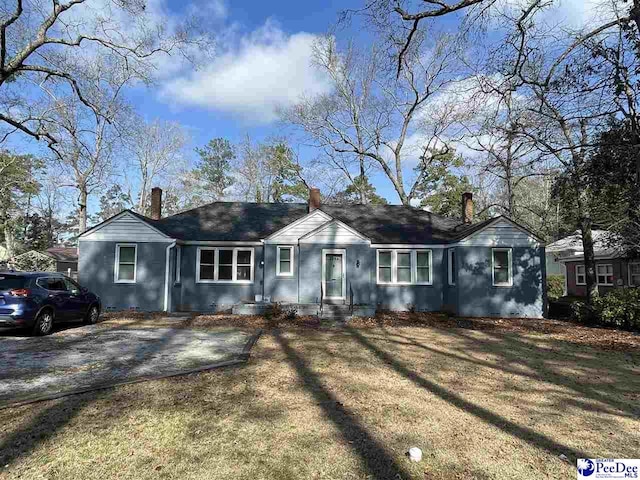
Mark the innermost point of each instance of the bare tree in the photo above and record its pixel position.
(49, 44)
(158, 150)
(372, 118)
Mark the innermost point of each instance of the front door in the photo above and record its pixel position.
(334, 274)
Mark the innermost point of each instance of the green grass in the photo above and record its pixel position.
(334, 404)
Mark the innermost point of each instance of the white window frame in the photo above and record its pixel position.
(234, 266)
(394, 268)
(604, 275)
(414, 258)
(583, 274)
(413, 265)
(509, 283)
(291, 249)
(629, 265)
(116, 268)
(450, 273)
(178, 273)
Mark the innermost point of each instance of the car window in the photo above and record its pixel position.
(52, 283)
(71, 285)
(11, 282)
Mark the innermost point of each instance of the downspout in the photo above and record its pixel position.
(167, 276)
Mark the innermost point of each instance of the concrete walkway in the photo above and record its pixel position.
(93, 357)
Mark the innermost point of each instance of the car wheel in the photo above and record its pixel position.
(92, 315)
(44, 323)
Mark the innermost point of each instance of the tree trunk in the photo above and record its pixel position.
(361, 190)
(587, 246)
(82, 221)
(9, 239)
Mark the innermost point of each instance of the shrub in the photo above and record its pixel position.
(555, 286)
(620, 308)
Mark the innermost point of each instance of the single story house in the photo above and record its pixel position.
(615, 268)
(379, 257)
(55, 259)
(66, 259)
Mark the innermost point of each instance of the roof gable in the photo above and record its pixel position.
(334, 232)
(126, 226)
(299, 228)
(499, 231)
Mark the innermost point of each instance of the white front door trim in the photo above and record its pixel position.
(334, 251)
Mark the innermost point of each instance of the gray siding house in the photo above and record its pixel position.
(379, 257)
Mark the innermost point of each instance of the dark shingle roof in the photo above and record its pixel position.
(239, 221)
(64, 254)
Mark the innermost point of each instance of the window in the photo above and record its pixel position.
(501, 267)
(384, 266)
(126, 260)
(403, 271)
(72, 286)
(178, 263)
(634, 274)
(581, 276)
(604, 274)
(404, 267)
(224, 265)
(206, 269)
(284, 262)
(423, 266)
(452, 267)
(54, 284)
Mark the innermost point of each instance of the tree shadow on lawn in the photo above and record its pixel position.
(535, 439)
(524, 359)
(53, 416)
(378, 461)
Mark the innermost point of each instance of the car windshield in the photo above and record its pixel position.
(11, 282)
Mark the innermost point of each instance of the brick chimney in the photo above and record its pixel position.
(156, 203)
(467, 207)
(314, 199)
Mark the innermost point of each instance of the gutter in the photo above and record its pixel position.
(167, 271)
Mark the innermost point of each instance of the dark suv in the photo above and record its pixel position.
(36, 299)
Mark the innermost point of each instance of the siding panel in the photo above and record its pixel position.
(502, 234)
(126, 228)
(292, 233)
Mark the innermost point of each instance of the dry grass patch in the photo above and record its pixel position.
(334, 404)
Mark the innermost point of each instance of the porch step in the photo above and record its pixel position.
(332, 315)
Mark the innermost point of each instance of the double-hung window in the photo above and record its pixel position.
(581, 276)
(451, 266)
(126, 263)
(284, 261)
(502, 270)
(604, 274)
(634, 274)
(404, 267)
(224, 265)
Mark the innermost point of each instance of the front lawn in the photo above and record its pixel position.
(482, 399)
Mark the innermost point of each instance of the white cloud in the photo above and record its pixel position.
(265, 70)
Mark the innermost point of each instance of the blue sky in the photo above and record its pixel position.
(261, 61)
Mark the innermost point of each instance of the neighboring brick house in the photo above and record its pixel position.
(614, 268)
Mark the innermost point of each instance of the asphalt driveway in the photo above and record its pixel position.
(92, 357)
